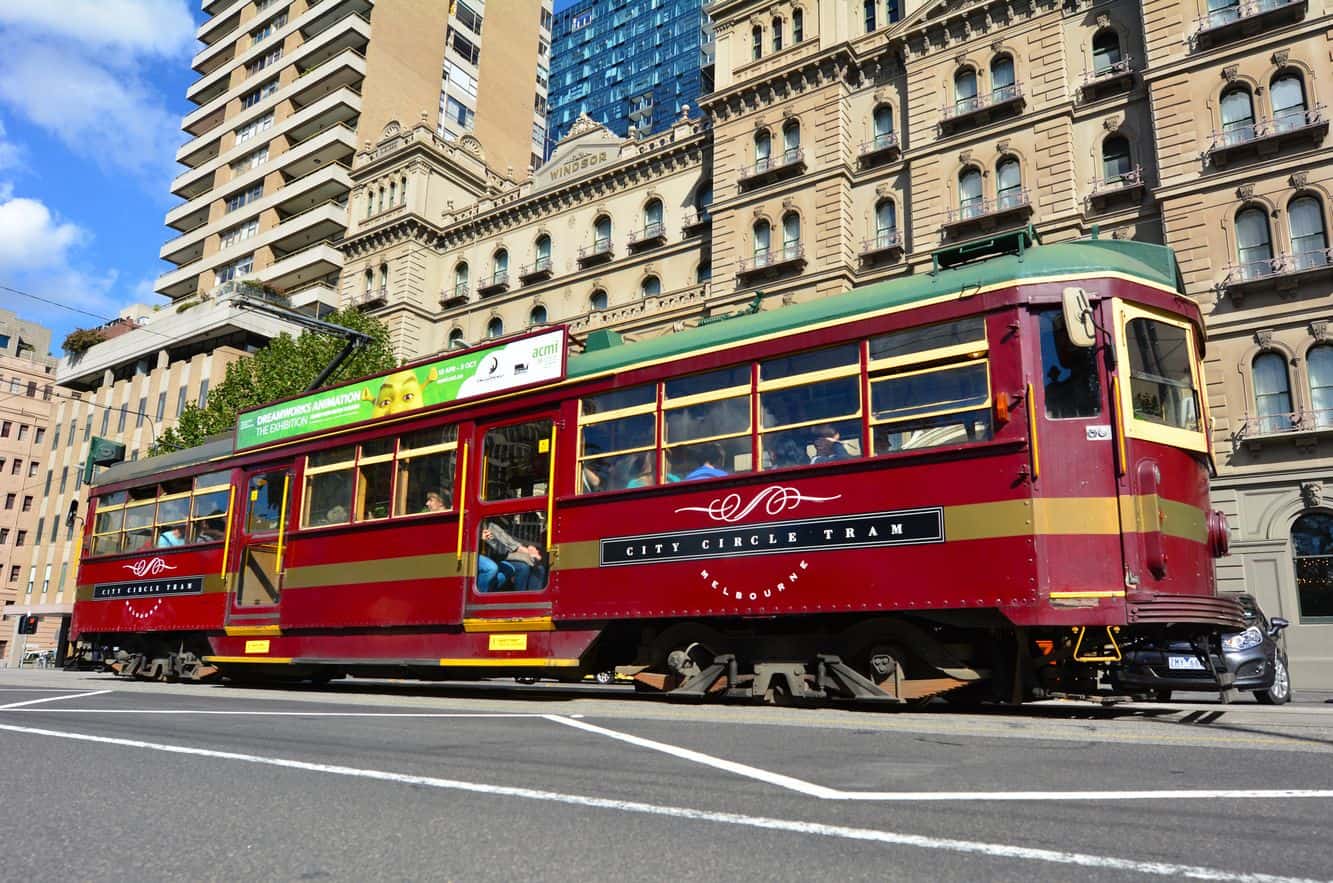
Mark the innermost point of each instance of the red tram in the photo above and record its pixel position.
(983, 479)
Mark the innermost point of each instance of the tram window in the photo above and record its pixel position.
(108, 523)
(138, 525)
(708, 419)
(266, 501)
(328, 486)
(713, 381)
(817, 443)
(617, 440)
(1161, 379)
(208, 515)
(808, 363)
(517, 460)
(1068, 372)
(809, 406)
(708, 459)
(620, 399)
(374, 487)
(930, 408)
(173, 513)
(426, 468)
(511, 553)
(947, 338)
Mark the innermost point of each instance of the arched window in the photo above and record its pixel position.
(763, 238)
(402, 191)
(597, 301)
(370, 203)
(969, 192)
(460, 279)
(791, 140)
(1115, 159)
(1237, 116)
(703, 272)
(370, 281)
(763, 149)
(537, 316)
(1309, 238)
(1312, 553)
(964, 90)
(1105, 51)
(777, 34)
(868, 9)
(797, 26)
(384, 279)
(756, 42)
(1272, 393)
(495, 327)
(886, 217)
(1288, 97)
(652, 217)
(650, 287)
(1319, 362)
(791, 235)
(883, 125)
(456, 339)
(601, 232)
(393, 193)
(1254, 247)
(1008, 184)
(542, 250)
(1002, 77)
(499, 265)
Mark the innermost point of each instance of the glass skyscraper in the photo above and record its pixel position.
(627, 63)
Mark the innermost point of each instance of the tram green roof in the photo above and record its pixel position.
(1151, 263)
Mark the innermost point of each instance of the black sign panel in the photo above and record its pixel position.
(907, 527)
(149, 588)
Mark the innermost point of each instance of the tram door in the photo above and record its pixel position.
(509, 514)
(262, 538)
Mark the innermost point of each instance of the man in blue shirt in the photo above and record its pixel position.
(171, 536)
(711, 454)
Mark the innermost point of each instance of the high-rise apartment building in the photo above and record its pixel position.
(846, 141)
(628, 63)
(286, 91)
(26, 382)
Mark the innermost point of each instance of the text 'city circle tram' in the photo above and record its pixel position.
(983, 481)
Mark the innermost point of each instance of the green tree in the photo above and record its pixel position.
(282, 368)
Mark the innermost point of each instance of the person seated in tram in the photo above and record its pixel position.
(211, 531)
(434, 502)
(641, 472)
(828, 445)
(710, 455)
(521, 568)
(171, 537)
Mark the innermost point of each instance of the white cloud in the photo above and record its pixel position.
(32, 238)
(148, 27)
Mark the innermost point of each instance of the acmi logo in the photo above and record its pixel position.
(548, 349)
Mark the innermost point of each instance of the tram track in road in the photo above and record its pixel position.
(630, 765)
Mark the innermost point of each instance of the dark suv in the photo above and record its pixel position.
(1254, 656)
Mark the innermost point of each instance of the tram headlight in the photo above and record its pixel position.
(1245, 640)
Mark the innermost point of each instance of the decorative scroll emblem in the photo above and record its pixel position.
(775, 499)
(148, 567)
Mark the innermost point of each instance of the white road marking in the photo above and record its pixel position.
(53, 699)
(993, 850)
(825, 793)
(185, 711)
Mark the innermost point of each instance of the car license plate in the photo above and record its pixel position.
(1185, 663)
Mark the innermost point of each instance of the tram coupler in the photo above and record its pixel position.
(713, 678)
(831, 671)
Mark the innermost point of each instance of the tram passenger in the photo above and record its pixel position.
(521, 568)
(211, 531)
(434, 502)
(710, 455)
(828, 445)
(641, 472)
(171, 537)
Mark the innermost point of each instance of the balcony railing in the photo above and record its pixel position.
(982, 209)
(1103, 190)
(1244, 277)
(599, 251)
(695, 220)
(788, 161)
(968, 110)
(1118, 74)
(881, 147)
(653, 233)
(788, 256)
(535, 271)
(884, 243)
(371, 297)
(1267, 133)
(496, 282)
(1304, 428)
(456, 295)
(1230, 22)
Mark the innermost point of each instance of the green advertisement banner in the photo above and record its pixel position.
(536, 359)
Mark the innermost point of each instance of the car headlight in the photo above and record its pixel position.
(1251, 637)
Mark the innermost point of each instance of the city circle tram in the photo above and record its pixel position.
(981, 481)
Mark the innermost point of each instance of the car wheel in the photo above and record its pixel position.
(605, 677)
(526, 679)
(1162, 695)
(1280, 692)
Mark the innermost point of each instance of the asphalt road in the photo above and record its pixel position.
(389, 781)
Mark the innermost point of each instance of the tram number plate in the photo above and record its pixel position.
(1187, 663)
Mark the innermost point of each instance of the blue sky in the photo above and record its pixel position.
(91, 96)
